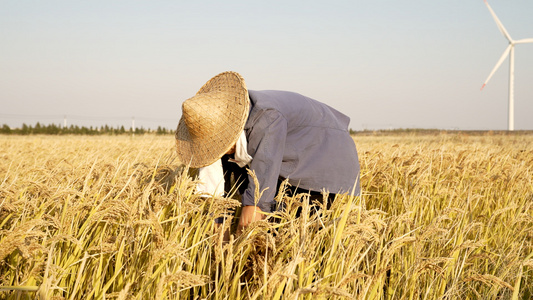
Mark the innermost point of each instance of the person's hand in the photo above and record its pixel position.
(249, 214)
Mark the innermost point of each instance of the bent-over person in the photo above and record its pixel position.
(226, 128)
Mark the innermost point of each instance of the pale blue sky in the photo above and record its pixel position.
(386, 64)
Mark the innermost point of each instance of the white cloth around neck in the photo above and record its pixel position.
(242, 158)
(211, 180)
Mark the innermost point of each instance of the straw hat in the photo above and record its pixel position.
(212, 120)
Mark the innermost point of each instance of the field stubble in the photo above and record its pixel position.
(441, 217)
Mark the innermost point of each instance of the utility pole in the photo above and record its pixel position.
(65, 122)
(132, 126)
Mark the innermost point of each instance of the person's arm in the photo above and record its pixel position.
(266, 144)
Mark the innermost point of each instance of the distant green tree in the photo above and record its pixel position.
(140, 130)
(5, 129)
(25, 129)
(52, 129)
(37, 129)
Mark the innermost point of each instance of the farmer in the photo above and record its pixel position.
(226, 129)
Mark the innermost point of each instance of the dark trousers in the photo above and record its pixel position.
(313, 198)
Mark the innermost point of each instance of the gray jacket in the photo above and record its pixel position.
(295, 137)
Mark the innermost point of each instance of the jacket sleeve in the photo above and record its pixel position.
(266, 144)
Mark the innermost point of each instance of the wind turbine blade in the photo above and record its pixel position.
(502, 58)
(499, 23)
(524, 41)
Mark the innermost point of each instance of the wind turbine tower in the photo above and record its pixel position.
(509, 51)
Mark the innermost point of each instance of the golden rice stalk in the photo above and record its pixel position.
(490, 280)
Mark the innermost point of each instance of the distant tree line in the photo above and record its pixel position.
(423, 131)
(53, 129)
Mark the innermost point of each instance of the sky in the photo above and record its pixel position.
(386, 64)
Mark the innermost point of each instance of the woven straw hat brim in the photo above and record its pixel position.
(212, 120)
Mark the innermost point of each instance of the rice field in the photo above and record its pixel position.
(447, 216)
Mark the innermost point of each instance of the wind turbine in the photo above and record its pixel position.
(509, 51)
